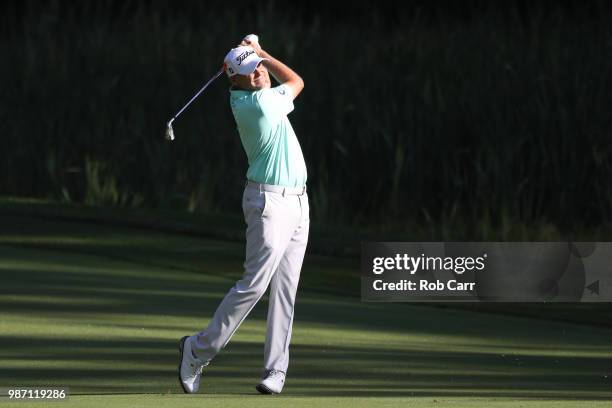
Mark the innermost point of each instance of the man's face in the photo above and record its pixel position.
(256, 80)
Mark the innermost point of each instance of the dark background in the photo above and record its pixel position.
(463, 120)
(420, 121)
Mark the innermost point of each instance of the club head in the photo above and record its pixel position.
(169, 131)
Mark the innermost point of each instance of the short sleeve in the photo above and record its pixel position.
(276, 102)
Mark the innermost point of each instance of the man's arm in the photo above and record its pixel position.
(281, 72)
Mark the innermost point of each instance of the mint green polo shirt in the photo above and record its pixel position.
(271, 146)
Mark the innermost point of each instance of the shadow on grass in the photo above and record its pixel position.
(148, 366)
(91, 286)
(358, 349)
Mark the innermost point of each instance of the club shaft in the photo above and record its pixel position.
(198, 94)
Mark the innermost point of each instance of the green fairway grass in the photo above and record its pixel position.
(100, 309)
(242, 401)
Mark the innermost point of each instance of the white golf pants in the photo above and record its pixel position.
(276, 238)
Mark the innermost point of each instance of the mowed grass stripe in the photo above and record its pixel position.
(104, 324)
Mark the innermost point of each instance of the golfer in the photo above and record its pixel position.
(276, 212)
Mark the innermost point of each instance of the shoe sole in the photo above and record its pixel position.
(264, 390)
(181, 347)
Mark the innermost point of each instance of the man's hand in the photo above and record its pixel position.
(253, 41)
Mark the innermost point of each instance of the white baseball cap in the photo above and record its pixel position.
(241, 60)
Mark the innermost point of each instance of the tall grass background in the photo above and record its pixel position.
(485, 125)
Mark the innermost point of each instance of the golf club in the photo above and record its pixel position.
(169, 130)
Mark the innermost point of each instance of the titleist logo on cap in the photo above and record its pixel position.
(243, 56)
(241, 60)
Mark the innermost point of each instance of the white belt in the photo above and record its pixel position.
(277, 189)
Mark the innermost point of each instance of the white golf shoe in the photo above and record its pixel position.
(272, 383)
(190, 368)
